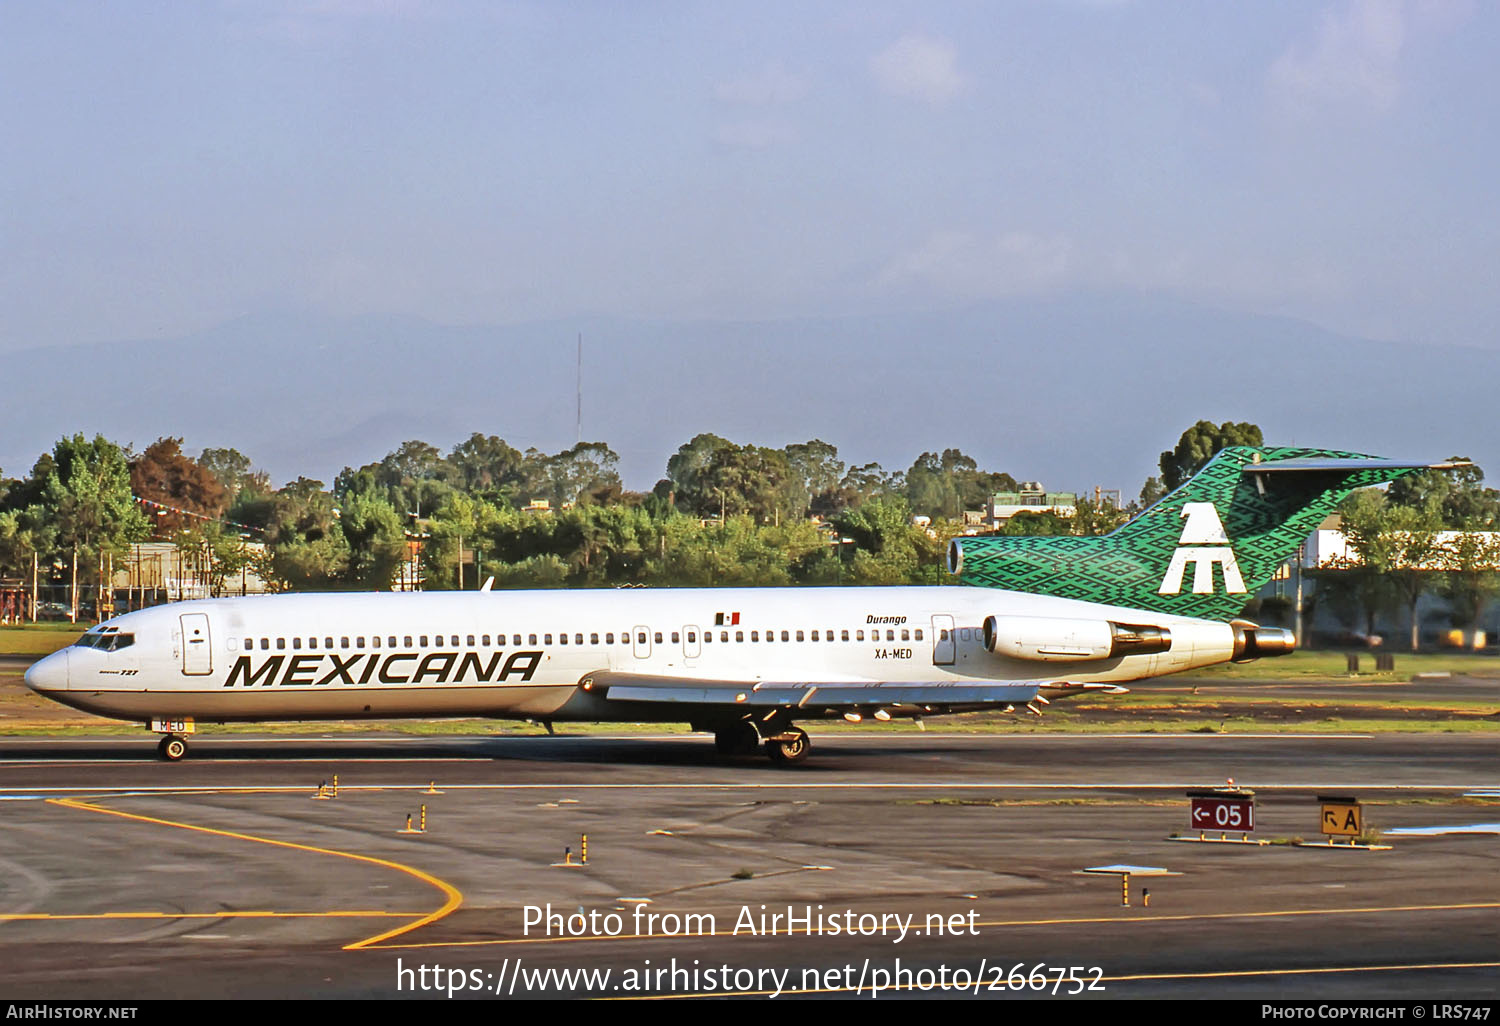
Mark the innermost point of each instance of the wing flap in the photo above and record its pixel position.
(809, 694)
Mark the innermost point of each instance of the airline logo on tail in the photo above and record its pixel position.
(1203, 543)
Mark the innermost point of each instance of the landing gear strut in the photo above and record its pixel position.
(172, 748)
(737, 739)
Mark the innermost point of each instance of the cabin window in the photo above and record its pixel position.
(800, 638)
(844, 635)
(755, 635)
(787, 637)
(723, 635)
(609, 638)
(641, 638)
(859, 635)
(483, 638)
(919, 634)
(265, 643)
(890, 635)
(374, 641)
(657, 636)
(455, 640)
(770, 635)
(739, 635)
(547, 639)
(593, 639)
(943, 634)
(312, 642)
(422, 641)
(249, 644)
(407, 639)
(562, 639)
(963, 634)
(343, 642)
(297, 643)
(578, 639)
(531, 639)
(814, 635)
(674, 637)
(391, 642)
(692, 637)
(708, 636)
(905, 635)
(328, 643)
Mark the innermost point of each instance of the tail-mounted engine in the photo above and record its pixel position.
(1252, 641)
(1060, 640)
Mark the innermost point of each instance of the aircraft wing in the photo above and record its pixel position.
(928, 696)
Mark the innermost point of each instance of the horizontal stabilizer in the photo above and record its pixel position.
(1344, 466)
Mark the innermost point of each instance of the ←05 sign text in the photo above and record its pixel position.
(1223, 813)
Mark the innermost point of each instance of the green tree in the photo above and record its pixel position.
(376, 538)
(1397, 544)
(87, 501)
(307, 548)
(1458, 497)
(686, 469)
(234, 471)
(1198, 444)
(485, 464)
(1470, 581)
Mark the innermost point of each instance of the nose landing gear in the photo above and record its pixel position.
(172, 748)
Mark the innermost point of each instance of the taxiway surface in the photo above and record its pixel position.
(222, 876)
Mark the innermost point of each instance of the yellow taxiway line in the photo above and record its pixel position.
(1078, 921)
(451, 894)
(243, 914)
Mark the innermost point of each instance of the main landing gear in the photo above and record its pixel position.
(784, 744)
(789, 747)
(172, 748)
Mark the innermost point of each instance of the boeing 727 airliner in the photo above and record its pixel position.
(745, 664)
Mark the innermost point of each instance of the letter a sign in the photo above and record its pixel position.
(1341, 820)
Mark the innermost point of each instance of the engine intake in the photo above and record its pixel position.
(1060, 640)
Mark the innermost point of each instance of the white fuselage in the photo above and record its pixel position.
(525, 654)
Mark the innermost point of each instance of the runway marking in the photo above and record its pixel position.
(983, 988)
(73, 764)
(1079, 921)
(451, 893)
(334, 914)
(953, 785)
(880, 737)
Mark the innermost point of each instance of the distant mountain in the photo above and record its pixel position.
(1074, 392)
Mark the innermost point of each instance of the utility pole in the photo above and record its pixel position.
(34, 568)
(73, 618)
(580, 388)
(1297, 622)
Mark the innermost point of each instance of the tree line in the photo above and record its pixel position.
(724, 514)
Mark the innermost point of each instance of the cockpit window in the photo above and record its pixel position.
(106, 642)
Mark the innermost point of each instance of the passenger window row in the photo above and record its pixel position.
(483, 640)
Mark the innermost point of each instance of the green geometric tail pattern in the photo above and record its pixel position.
(1131, 565)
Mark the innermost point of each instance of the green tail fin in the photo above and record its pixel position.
(1203, 550)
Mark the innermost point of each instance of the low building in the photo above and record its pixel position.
(1031, 498)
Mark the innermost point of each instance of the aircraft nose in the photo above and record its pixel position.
(49, 674)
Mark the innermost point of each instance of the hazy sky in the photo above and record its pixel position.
(167, 166)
